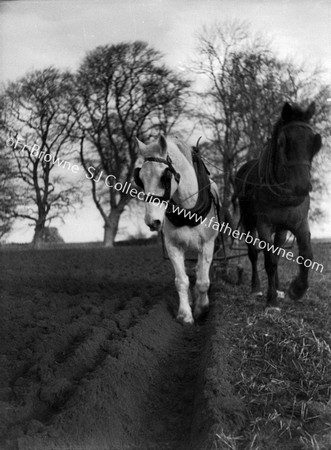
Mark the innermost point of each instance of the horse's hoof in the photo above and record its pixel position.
(240, 273)
(257, 294)
(295, 291)
(272, 310)
(280, 294)
(200, 312)
(185, 319)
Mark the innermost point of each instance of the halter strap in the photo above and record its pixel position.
(297, 123)
(167, 162)
(167, 189)
(298, 163)
(279, 190)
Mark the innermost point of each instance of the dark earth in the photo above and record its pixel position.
(92, 357)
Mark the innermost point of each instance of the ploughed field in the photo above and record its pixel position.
(92, 358)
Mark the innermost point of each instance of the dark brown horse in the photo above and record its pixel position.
(273, 194)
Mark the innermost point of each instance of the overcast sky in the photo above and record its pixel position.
(36, 34)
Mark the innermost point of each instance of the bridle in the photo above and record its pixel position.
(166, 177)
(268, 178)
(296, 162)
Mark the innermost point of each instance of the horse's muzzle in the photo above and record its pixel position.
(302, 191)
(155, 225)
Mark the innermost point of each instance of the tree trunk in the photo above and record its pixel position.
(39, 234)
(111, 227)
(227, 183)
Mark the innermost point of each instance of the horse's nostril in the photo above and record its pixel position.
(155, 225)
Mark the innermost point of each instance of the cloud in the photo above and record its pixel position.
(36, 34)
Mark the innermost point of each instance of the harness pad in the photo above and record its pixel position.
(194, 216)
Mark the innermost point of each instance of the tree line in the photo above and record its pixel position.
(233, 94)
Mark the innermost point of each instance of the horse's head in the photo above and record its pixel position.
(297, 145)
(158, 178)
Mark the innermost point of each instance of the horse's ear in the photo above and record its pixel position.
(163, 145)
(310, 111)
(141, 146)
(286, 112)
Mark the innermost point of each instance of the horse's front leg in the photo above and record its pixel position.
(253, 254)
(177, 257)
(279, 241)
(202, 284)
(270, 264)
(299, 285)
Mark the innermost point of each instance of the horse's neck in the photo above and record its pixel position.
(187, 192)
(268, 163)
(275, 164)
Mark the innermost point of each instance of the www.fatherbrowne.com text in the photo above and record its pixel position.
(126, 188)
(220, 227)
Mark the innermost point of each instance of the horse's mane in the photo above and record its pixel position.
(272, 145)
(185, 149)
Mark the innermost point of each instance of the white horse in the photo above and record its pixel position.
(168, 173)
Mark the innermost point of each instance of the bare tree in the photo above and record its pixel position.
(322, 162)
(8, 198)
(123, 91)
(223, 102)
(38, 120)
(245, 90)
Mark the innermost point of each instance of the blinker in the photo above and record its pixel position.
(165, 178)
(136, 177)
